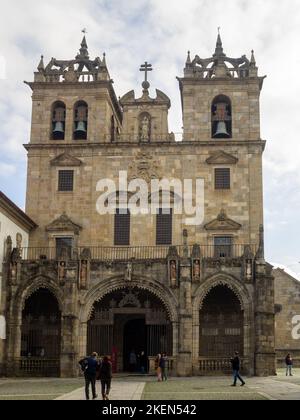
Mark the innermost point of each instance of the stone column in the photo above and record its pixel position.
(184, 360)
(265, 358)
(68, 360)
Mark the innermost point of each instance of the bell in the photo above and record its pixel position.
(221, 130)
(80, 128)
(59, 128)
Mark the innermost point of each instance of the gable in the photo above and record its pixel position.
(222, 158)
(222, 222)
(63, 224)
(65, 160)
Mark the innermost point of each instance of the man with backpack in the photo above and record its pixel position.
(90, 366)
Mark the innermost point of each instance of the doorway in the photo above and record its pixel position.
(135, 341)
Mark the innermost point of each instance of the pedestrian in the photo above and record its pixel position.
(236, 364)
(132, 361)
(163, 364)
(143, 363)
(157, 367)
(89, 366)
(289, 365)
(105, 375)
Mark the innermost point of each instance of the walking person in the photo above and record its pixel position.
(289, 365)
(236, 365)
(143, 363)
(89, 366)
(105, 376)
(132, 361)
(163, 364)
(157, 367)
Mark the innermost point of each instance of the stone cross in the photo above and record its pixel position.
(145, 68)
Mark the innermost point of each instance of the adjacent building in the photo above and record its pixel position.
(15, 227)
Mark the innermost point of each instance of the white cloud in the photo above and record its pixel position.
(7, 170)
(132, 31)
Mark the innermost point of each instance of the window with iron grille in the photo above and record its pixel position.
(65, 180)
(122, 227)
(64, 247)
(223, 247)
(222, 179)
(164, 221)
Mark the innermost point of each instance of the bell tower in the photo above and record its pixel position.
(220, 97)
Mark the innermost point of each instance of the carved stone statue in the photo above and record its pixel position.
(173, 273)
(19, 239)
(248, 269)
(145, 129)
(83, 274)
(61, 271)
(128, 273)
(196, 269)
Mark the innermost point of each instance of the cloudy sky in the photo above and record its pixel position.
(161, 31)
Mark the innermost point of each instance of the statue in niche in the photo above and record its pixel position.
(145, 129)
(83, 274)
(128, 273)
(61, 271)
(196, 269)
(173, 273)
(19, 239)
(248, 269)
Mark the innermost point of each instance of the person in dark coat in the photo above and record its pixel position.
(163, 364)
(289, 365)
(105, 376)
(143, 362)
(236, 365)
(89, 366)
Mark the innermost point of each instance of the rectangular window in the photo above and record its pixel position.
(223, 247)
(64, 248)
(65, 181)
(122, 228)
(164, 222)
(222, 179)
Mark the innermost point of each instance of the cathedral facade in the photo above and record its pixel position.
(119, 282)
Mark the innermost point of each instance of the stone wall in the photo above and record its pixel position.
(287, 301)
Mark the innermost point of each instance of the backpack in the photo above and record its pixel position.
(83, 364)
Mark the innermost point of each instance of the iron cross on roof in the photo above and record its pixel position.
(145, 68)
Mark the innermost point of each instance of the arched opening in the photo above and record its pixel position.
(58, 124)
(41, 335)
(221, 118)
(221, 325)
(126, 321)
(80, 121)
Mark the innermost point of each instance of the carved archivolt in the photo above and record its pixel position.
(166, 296)
(224, 280)
(32, 286)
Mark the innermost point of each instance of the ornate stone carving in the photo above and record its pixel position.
(222, 158)
(144, 167)
(65, 160)
(130, 300)
(63, 224)
(223, 223)
(128, 272)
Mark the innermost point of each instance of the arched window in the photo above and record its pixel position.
(145, 127)
(80, 120)
(58, 125)
(221, 118)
